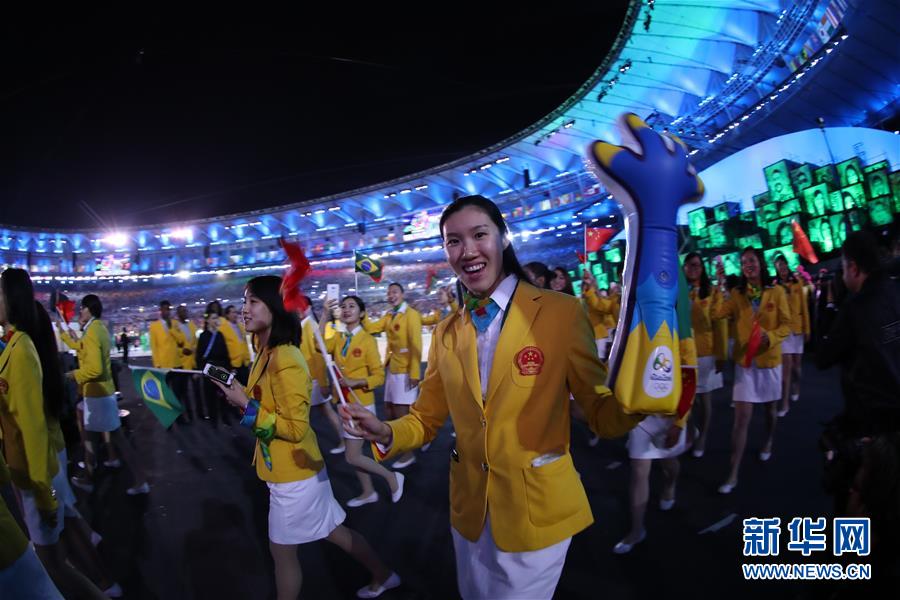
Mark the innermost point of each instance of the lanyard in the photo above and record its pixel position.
(210, 345)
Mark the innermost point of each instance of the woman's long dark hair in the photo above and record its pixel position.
(705, 283)
(44, 340)
(569, 288)
(19, 294)
(511, 265)
(742, 286)
(285, 325)
(540, 270)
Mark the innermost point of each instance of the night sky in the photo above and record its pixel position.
(154, 119)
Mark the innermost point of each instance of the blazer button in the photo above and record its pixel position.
(483, 422)
(484, 467)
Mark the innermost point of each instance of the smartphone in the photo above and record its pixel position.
(333, 292)
(218, 374)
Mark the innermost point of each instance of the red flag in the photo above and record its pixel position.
(753, 344)
(290, 284)
(581, 257)
(430, 276)
(596, 237)
(688, 390)
(66, 309)
(802, 245)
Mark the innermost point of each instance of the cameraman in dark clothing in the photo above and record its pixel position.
(862, 334)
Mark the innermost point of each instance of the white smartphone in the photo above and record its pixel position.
(218, 374)
(333, 292)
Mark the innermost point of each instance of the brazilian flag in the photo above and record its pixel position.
(367, 265)
(151, 384)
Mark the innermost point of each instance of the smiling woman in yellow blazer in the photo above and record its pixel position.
(356, 356)
(449, 305)
(503, 371)
(403, 360)
(759, 382)
(275, 405)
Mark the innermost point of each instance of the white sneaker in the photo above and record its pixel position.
(337, 450)
(624, 548)
(114, 591)
(595, 439)
(362, 501)
(391, 582)
(82, 484)
(137, 490)
(666, 504)
(795, 397)
(395, 496)
(727, 488)
(405, 463)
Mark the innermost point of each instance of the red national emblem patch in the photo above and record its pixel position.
(770, 306)
(530, 360)
(257, 393)
(397, 327)
(357, 352)
(4, 386)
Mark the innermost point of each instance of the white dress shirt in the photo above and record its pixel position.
(487, 340)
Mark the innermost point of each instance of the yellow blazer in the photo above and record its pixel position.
(796, 297)
(280, 382)
(14, 541)
(74, 344)
(94, 372)
(163, 346)
(314, 360)
(23, 426)
(599, 310)
(774, 321)
(436, 316)
(238, 351)
(611, 318)
(710, 335)
(404, 340)
(524, 415)
(362, 362)
(189, 341)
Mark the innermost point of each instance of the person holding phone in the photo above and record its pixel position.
(503, 373)
(356, 356)
(403, 360)
(275, 406)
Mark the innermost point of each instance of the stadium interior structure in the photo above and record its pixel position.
(726, 77)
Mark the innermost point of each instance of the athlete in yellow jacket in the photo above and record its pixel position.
(185, 333)
(236, 340)
(163, 345)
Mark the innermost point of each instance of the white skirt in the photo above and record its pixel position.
(707, 378)
(396, 389)
(101, 414)
(756, 385)
(41, 533)
(317, 397)
(64, 493)
(648, 439)
(602, 343)
(347, 436)
(303, 511)
(792, 344)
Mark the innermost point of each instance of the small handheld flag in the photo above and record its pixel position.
(160, 399)
(368, 266)
(596, 237)
(802, 245)
(290, 284)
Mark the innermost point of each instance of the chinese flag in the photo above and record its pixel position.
(596, 237)
(753, 344)
(290, 284)
(802, 245)
(581, 257)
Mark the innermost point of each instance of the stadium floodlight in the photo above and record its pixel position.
(185, 233)
(116, 239)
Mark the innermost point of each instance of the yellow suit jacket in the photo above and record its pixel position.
(280, 383)
(185, 340)
(436, 316)
(361, 362)
(94, 373)
(163, 346)
(599, 311)
(774, 321)
(23, 426)
(799, 307)
(238, 351)
(14, 541)
(404, 340)
(312, 356)
(710, 335)
(524, 415)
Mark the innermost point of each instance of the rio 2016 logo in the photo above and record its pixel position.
(658, 380)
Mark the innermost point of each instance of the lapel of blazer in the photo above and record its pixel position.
(255, 374)
(467, 352)
(523, 308)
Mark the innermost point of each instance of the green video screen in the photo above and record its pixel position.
(880, 211)
(613, 255)
(731, 262)
(878, 166)
(877, 182)
(789, 207)
(697, 221)
(817, 200)
(780, 232)
(853, 196)
(602, 281)
(802, 178)
(778, 181)
(760, 199)
(835, 201)
(825, 175)
(822, 235)
(895, 186)
(718, 237)
(748, 217)
(793, 260)
(720, 212)
(754, 241)
(850, 172)
(766, 213)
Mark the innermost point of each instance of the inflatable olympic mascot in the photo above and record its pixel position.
(650, 178)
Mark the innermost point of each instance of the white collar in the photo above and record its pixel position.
(88, 324)
(402, 308)
(502, 296)
(356, 330)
